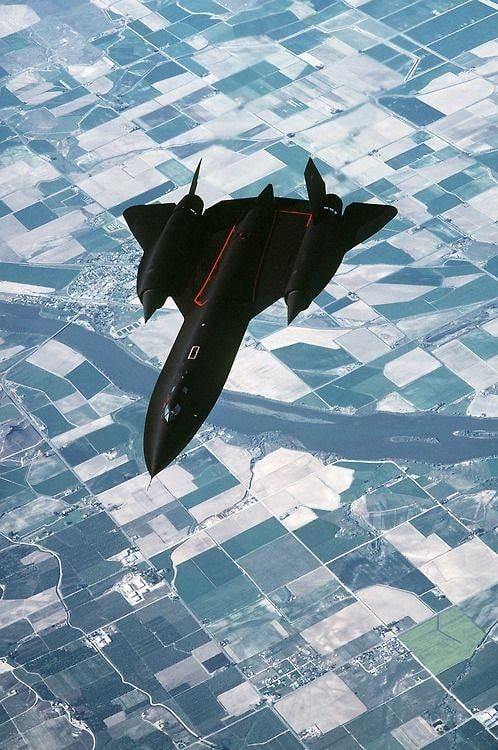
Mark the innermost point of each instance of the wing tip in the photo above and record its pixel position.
(147, 221)
(363, 220)
(388, 211)
(129, 214)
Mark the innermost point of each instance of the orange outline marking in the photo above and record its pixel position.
(298, 213)
(206, 281)
(213, 268)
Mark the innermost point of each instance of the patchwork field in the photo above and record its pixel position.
(318, 568)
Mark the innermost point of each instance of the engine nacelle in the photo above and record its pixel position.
(165, 269)
(316, 260)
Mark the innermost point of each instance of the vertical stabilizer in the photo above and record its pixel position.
(315, 187)
(195, 179)
(266, 196)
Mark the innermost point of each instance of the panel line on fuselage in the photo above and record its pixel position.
(267, 244)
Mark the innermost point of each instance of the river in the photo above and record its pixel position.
(427, 436)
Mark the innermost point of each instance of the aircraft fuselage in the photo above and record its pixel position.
(192, 379)
(202, 356)
(222, 267)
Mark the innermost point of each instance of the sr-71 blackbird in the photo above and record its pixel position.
(222, 267)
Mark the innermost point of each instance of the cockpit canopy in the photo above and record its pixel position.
(170, 411)
(174, 402)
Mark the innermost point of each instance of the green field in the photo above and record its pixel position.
(9, 413)
(438, 387)
(33, 376)
(55, 277)
(443, 641)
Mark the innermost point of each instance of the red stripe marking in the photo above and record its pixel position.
(213, 268)
(298, 213)
(207, 279)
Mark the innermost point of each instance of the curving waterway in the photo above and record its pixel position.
(431, 437)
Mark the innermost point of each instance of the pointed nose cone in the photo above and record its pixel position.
(154, 454)
(296, 302)
(167, 430)
(151, 301)
(164, 440)
(153, 467)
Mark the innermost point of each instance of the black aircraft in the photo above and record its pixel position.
(222, 267)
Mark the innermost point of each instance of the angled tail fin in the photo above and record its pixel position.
(315, 187)
(266, 195)
(362, 220)
(195, 179)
